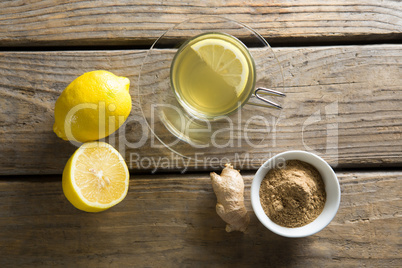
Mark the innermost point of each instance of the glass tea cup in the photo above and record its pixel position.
(212, 75)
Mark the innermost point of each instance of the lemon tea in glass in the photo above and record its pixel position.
(212, 75)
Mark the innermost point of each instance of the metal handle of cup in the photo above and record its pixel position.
(266, 91)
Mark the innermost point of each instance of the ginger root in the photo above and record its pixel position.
(229, 190)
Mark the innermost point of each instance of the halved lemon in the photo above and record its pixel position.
(95, 177)
(225, 59)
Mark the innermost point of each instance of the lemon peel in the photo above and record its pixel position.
(92, 106)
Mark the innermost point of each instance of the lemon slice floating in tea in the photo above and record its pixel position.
(95, 177)
(226, 60)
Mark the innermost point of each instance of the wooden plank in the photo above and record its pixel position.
(89, 23)
(171, 220)
(343, 103)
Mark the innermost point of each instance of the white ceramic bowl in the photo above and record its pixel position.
(332, 189)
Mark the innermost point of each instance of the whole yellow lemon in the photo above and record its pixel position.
(92, 107)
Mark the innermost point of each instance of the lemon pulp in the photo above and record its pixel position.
(212, 75)
(96, 177)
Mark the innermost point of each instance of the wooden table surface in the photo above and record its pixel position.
(342, 66)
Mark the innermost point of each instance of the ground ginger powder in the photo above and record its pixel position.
(293, 195)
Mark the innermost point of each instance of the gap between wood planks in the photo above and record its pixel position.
(176, 174)
(291, 42)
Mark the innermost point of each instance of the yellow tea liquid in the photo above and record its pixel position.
(212, 75)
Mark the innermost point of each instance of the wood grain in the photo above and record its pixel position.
(342, 103)
(170, 220)
(104, 23)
